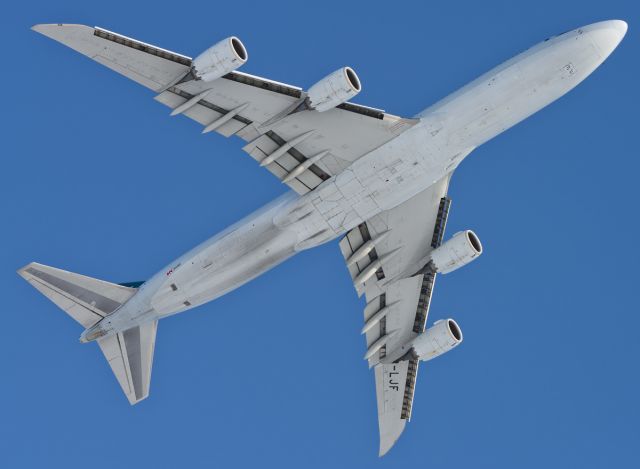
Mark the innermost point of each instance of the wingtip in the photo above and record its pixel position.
(133, 400)
(386, 444)
(40, 27)
(384, 449)
(22, 269)
(37, 27)
(48, 28)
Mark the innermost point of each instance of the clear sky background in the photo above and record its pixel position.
(96, 178)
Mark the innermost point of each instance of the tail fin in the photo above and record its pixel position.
(88, 300)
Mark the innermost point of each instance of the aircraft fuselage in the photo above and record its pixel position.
(444, 134)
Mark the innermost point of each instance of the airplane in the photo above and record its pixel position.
(377, 180)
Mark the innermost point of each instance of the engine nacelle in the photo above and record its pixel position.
(461, 249)
(334, 89)
(443, 336)
(220, 59)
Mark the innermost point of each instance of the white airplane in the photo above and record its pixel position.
(376, 179)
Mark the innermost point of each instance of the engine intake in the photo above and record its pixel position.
(220, 59)
(461, 249)
(443, 336)
(334, 89)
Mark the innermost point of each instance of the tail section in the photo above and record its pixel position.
(130, 356)
(88, 301)
(85, 299)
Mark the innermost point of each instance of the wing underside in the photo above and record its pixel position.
(385, 257)
(307, 147)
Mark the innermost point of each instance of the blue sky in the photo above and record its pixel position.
(97, 179)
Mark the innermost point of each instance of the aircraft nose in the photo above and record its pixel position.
(606, 35)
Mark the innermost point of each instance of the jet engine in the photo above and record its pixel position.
(443, 336)
(461, 249)
(220, 59)
(334, 89)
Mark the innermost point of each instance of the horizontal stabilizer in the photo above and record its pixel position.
(85, 299)
(88, 300)
(130, 356)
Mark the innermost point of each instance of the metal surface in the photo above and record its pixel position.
(462, 248)
(381, 180)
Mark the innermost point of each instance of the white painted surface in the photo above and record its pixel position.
(334, 89)
(438, 339)
(456, 252)
(380, 171)
(220, 59)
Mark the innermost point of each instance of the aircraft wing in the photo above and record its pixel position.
(257, 110)
(385, 257)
